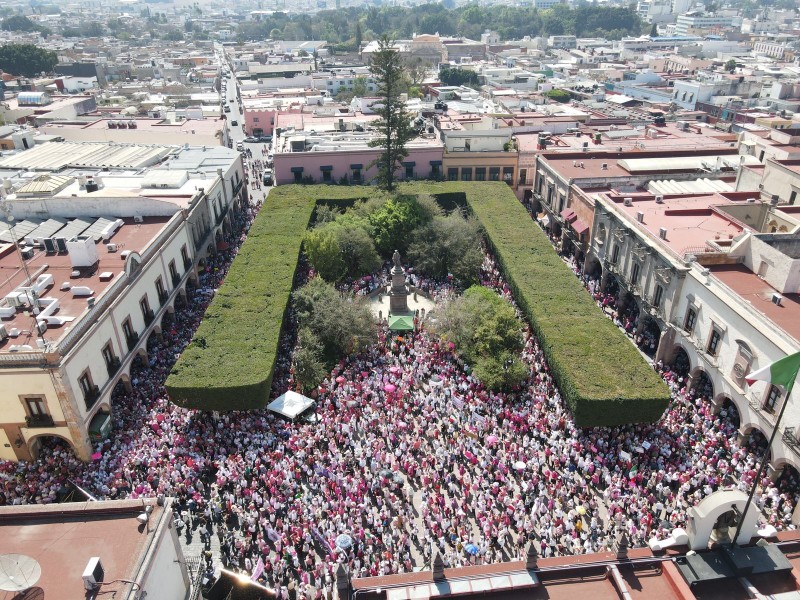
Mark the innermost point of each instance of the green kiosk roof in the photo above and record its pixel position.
(401, 323)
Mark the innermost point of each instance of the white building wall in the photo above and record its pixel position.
(738, 321)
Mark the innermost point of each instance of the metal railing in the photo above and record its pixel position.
(39, 421)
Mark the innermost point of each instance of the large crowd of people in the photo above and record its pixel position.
(407, 455)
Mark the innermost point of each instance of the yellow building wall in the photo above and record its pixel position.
(16, 385)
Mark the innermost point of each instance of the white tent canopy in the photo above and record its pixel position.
(290, 405)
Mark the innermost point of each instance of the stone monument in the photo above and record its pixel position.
(398, 292)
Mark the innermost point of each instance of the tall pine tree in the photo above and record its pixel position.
(394, 124)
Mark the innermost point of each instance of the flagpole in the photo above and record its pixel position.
(763, 463)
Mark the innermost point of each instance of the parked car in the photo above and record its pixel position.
(251, 140)
(265, 139)
(268, 177)
(239, 146)
(234, 123)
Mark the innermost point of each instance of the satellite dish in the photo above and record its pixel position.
(18, 572)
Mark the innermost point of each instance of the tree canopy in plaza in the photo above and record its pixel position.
(487, 333)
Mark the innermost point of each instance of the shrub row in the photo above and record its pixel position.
(229, 364)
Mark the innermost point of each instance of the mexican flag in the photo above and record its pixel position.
(782, 372)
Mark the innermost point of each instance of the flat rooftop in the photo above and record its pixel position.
(757, 292)
(668, 137)
(63, 537)
(71, 306)
(690, 221)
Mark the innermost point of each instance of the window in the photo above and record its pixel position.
(539, 184)
(144, 304)
(85, 381)
(108, 354)
(480, 173)
(690, 320)
(409, 171)
(466, 174)
(160, 291)
(356, 174)
(615, 254)
(36, 406)
(494, 173)
(772, 399)
(326, 175)
(435, 171)
(792, 196)
(127, 329)
(657, 296)
(173, 271)
(713, 341)
(452, 174)
(635, 274)
(298, 176)
(508, 175)
(523, 176)
(255, 119)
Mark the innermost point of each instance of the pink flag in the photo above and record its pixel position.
(97, 456)
(259, 570)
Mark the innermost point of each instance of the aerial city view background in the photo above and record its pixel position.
(397, 300)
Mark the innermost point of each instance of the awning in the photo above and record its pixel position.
(401, 323)
(544, 220)
(568, 215)
(297, 169)
(326, 168)
(436, 163)
(290, 405)
(580, 227)
(357, 166)
(409, 163)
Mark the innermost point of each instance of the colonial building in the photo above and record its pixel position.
(98, 245)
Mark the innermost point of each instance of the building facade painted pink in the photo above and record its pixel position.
(424, 161)
(259, 121)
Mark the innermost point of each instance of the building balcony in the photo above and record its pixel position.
(176, 279)
(39, 421)
(789, 438)
(91, 396)
(187, 264)
(149, 316)
(132, 340)
(113, 366)
(162, 297)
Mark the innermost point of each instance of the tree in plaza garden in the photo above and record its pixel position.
(341, 325)
(394, 124)
(393, 222)
(487, 333)
(448, 246)
(309, 365)
(341, 248)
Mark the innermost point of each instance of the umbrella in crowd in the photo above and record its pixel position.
(344, 542)
(471, 549)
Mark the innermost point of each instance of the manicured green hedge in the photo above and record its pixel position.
(229, 364)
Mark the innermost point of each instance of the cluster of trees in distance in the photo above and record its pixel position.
(346, 28)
